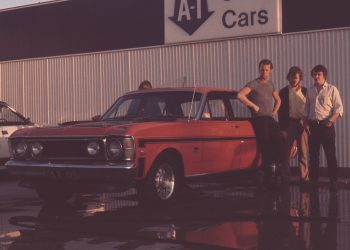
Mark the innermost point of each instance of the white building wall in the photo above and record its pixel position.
(76, 87)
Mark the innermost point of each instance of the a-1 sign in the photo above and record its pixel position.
(190, 15)
(192, 20)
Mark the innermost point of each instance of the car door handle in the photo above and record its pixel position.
(235, 126)
(4, 132)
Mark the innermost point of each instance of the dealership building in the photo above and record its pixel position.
(70, 59)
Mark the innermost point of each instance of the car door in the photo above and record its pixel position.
(247, 149)
(220, 149)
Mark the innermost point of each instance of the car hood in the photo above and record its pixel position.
(90, 129)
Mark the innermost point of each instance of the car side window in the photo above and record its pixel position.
(215, 108)
(240, 111)
(218, 109)
(206, 115)
(188, 107)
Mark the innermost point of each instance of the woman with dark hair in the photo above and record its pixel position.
(145, 85)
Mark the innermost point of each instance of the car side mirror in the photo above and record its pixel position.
(96, 118)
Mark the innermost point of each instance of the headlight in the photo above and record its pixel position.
(36, 148)
(20, 149)
(114, 149)
(93, 148)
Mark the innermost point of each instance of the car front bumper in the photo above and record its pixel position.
(118, 173)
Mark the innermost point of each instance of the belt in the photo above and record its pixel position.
(295, 119)
(318, 122)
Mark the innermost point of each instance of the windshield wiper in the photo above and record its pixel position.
(121, 118)
(159, 117)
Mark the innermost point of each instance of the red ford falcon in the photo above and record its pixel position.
(152, 139)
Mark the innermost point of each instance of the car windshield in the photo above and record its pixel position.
(8, 116)
(155, 105)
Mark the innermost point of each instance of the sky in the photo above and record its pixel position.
(4, 4)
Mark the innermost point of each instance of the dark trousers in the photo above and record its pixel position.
(271, 145)
(325, 136)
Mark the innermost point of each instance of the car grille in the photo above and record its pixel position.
(68, 149)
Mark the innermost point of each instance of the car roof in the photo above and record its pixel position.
(200, 89)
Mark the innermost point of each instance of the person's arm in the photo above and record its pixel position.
(280, 113)
(305, 117)
(332, 119)
(242, 96)
(337, 108)
(277, 105)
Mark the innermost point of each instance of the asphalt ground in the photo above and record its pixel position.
(210, 215)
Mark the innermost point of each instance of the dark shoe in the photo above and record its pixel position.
(305, 185)
(308, 185)
(285, 181)
(303, 181)
(333, 186)
(284, 186)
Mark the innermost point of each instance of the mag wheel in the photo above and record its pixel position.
(163, 183)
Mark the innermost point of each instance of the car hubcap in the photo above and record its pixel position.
(164, 181)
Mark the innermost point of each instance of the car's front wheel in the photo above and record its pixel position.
(162, 184)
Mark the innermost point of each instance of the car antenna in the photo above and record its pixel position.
(194, 92)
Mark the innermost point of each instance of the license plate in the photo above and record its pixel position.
(62, 174)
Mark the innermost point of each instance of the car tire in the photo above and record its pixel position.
(53, 194)
(163, 183)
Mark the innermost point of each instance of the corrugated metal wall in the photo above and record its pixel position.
(54, 90)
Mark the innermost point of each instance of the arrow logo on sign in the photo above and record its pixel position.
(189, 15)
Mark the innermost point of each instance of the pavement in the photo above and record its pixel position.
(210, 215)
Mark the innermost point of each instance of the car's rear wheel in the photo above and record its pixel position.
(162, 184)
(53, 193)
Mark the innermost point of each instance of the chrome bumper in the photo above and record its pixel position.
(109, 172)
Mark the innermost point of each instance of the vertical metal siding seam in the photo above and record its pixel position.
(48, 89)
(74, 87)
(129, 68)
(23, 86)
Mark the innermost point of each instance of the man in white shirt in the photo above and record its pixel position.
(323, 107)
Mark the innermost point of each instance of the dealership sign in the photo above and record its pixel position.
(7, 4)
(193, 20)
